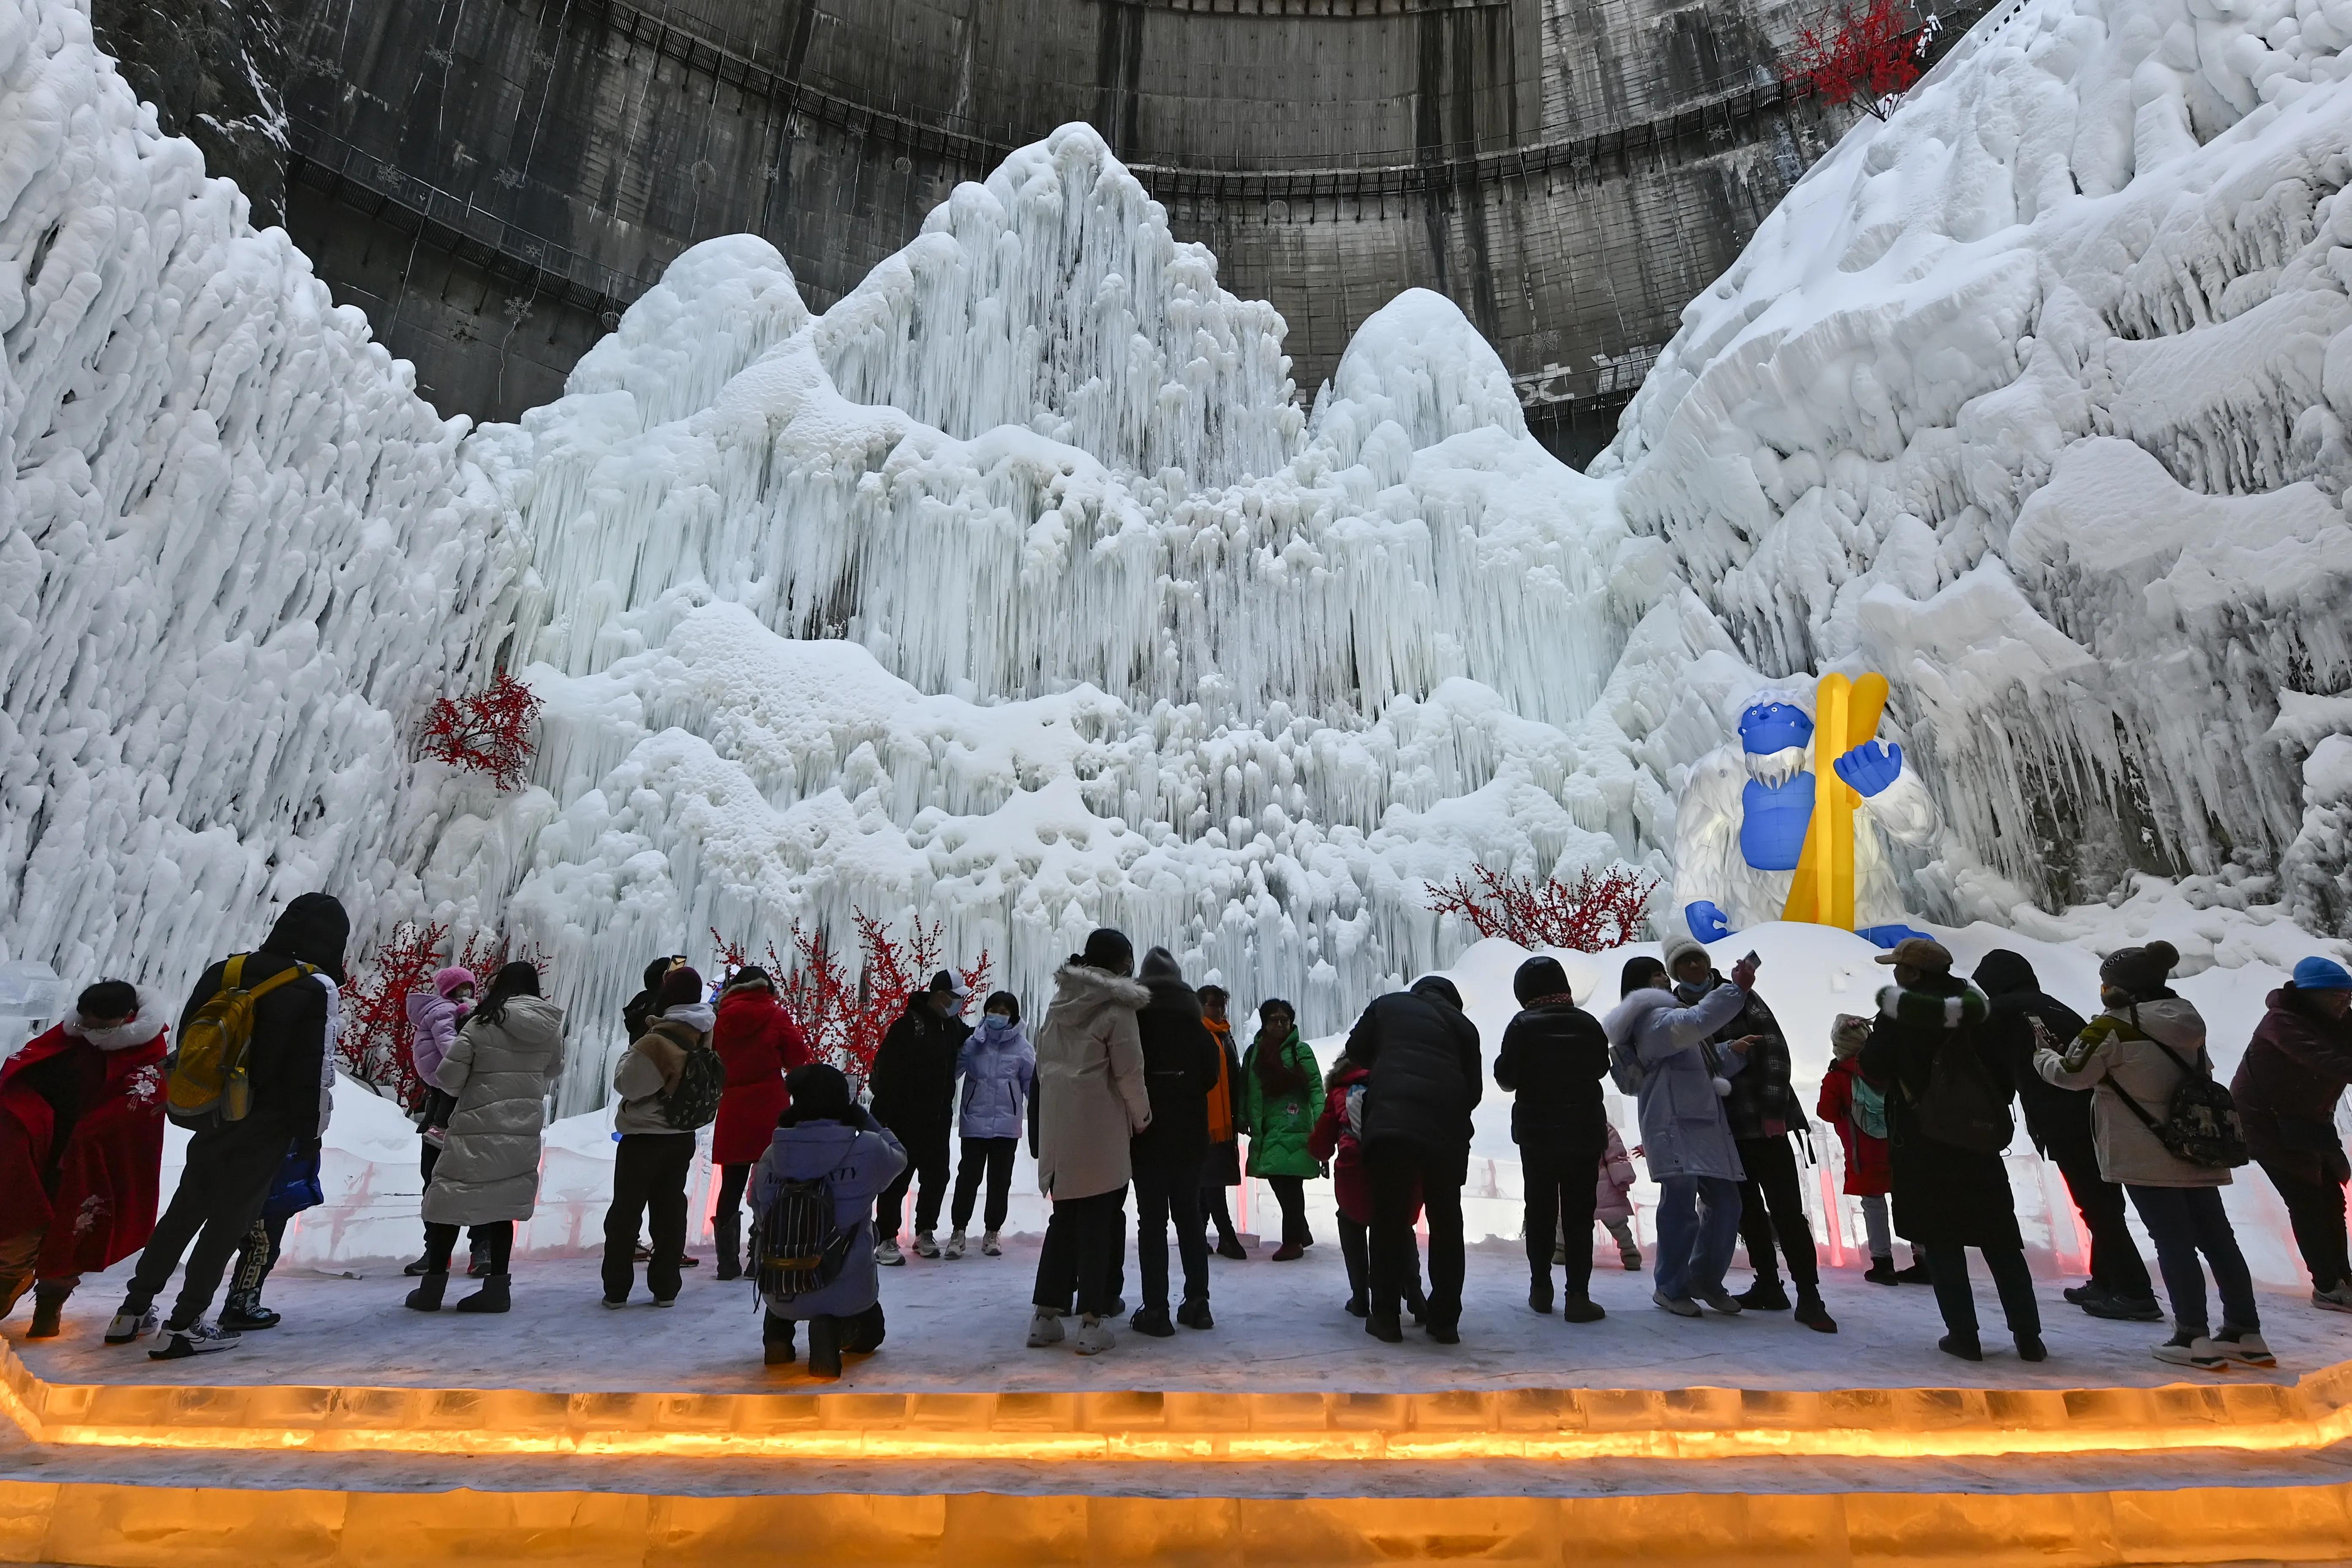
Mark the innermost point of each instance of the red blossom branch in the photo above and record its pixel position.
(487, 731)
(376, 1043)
(1598, 910)
(1866, 52)
(845, 1017)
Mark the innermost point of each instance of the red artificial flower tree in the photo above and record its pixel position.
(843, 1015)
(376, 1043)
(1599, 910)
(487, 731)
(1868, 53)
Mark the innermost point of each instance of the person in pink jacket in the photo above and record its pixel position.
(1613, 1204)
(433, 1018)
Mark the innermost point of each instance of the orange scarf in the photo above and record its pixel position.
(1221, 1093)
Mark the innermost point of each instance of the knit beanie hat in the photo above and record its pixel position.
(681, 988)
(447, 980)
(1679, 948)
(1848, 1034)
(2318, 974)
(1540, 976)
(2140, 971)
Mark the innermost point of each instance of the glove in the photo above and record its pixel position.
(1707, 921)
(1870, 767)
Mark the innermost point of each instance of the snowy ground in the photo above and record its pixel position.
(959, 1327)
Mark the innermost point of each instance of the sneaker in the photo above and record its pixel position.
(615, 1303)
(887, 1253)
(2087, 1291)
(2336, 1298)
(2188, 1348)
(990, 1247)
(1581, 1310)
(198, 1338)
(1881, 1272)
(687, 1260)
(1722, 1301)
(924, 1246)
(1152, 1321)
(665, 1300)
(1559, 1253)
(1631, 1257)
(1193, 1313)
(436, 1136)
(1814, 1315)
(243, 1313)
(2244, 1347)
(1764, 1296)
(478, 1263)
(2123, 1309)
(423, 1266)
(1288, 1251)
(130, 1323)
(1680, 1306)
(953, 1249)
(1044, 1328)
(1094, 1337)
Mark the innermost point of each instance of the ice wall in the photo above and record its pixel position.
(2034, 398)
(236, 553)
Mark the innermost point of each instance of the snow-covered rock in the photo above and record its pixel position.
(2033, 396)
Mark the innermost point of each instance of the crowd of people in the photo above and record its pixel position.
(1133, 1081)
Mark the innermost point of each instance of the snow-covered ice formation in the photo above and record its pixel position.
(2034, 398)
(235, 551)
(1018, 590)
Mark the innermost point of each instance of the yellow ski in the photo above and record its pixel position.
(1845, 715)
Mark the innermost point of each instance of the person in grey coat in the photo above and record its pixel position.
(499, 1069)
(1685, 1136)
(826, 1135)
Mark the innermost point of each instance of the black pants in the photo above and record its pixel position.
(1215, 1210)
(2115, 1257)
(1948, 1268)
(861, 1332)
(1356, 1252)
(991, 1157)
(496, 1241)
(1393, 1167)
(927, 1156)
(227, 1180)
(1080, 1256)
(1772, 1203)
(1290, 1192)
(1560, 1185)
(256, 1255)
(430, 1157)
(649, 1172)
(727, 1225)
(1166, 1192)
(2315, 1209)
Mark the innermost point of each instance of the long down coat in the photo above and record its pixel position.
(1090, 1097)
(489, 1169)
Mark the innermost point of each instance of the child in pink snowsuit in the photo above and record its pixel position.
(1611, 1204)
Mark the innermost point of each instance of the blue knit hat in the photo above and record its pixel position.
(2317, 973)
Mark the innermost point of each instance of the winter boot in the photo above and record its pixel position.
(1766, 1295)
(1918, 1273)
(1152, 1321)
(131, 1323)
(1964, 1346)
(1384, 1327)
(198, 1338)
(776, 1342)
(48, 1312)
(730, 1264)
(954, 1248)
(1044, 1328)
(925, 1246)
(1289, 1251)
(2031, 1348)
(1230, 1246)
(426, 1296)
(1416, 1305)
(1444, 1332)
(1094, 1337)
(990, 1247)
(1881, 1272)
(1631, 1257)
(1581, 1309)
(1539, 1294)
(1813, 1313)
(1359, 1305)
(242, 1312)
(491, 1298)
(824, 1347)
(2244, 1346)
(1193, 1313)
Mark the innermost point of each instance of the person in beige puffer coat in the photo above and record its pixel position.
(498, 1069)
(2134, 1057)
(1090, 1100)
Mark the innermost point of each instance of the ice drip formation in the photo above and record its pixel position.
(1024, 589)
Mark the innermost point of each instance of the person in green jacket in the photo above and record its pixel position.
(1281, 1091)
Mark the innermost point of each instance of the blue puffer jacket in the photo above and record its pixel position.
(860, 1160)
(998, 1066)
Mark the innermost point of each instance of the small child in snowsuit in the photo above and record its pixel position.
(1613, 1207)
(1335, 1141)
(1857, 1108)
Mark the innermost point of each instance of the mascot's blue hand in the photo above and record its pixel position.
(1707, 921)
(1888, 936)
(1870, 767)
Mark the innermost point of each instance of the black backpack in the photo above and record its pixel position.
(797, 1244)
(2201, 1125)
(694, 1103)
(1963, 1107)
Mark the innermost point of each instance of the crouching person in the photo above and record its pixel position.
(813, 1192)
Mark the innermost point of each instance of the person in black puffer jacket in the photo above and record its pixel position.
(2059, 1122)
(1762, 1110)
(1553, 1058)
(2288, 1083)
(1422, 1054)
(1180, 1064)
(913, 1086)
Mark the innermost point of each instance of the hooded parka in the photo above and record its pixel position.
(1091, 1097)
(499, 1073)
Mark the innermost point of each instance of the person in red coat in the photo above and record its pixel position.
(1857, 1108)
(1336, 1140)
(82, 1148)
(759, 1043)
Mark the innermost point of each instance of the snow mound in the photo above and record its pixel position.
(236, 552)
(2033, 398)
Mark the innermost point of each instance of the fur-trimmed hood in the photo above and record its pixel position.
(1627, 1016)
(1083, 985)
(1930, 1009)
(141, 1027)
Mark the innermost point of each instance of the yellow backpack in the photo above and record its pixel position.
(205, 1073)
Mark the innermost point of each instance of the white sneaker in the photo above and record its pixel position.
(199, 1338)
(2337, 1298)
(887, 1254)
(1045, 1329)
(2244, 1347)
(129, 1325)
(924, 1246)
(1094, 1337)
(954, 1247)
(1723, 1301)
(988, 1248)
(1680, 1306)
(2197, 1351)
